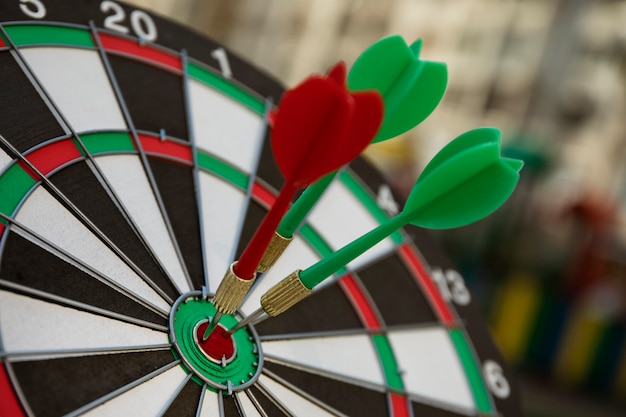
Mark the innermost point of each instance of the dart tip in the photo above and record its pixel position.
(212, 325)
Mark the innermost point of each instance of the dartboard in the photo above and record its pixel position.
(134, 167)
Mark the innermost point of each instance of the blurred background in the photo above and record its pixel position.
(549, 268)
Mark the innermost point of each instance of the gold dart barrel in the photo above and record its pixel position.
(285, 294)
(231, 291)
(277, 246)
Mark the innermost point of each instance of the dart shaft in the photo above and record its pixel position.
(252, 254)
(299, 210)
(323, 269)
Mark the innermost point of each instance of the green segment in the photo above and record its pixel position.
(390, 366)
(103, 142)
(14, 185)
(474, 376)
(222, 169)
(243, 367)
(49, 35)
(215, 81)
(368, 201)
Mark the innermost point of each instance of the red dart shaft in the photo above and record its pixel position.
(252, 254)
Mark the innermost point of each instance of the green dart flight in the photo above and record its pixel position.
(411, 87)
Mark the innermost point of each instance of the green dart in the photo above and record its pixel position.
(466, 181)
(411, 88)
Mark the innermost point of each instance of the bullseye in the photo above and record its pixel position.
(225, 361)
(219, 347)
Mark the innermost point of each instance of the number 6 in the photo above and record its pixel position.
(494, 376)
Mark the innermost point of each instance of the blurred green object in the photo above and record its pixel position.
(411, 88)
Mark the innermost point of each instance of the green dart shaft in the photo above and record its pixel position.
(298, 211)
(318, 272)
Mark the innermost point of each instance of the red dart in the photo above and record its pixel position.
(319, 127)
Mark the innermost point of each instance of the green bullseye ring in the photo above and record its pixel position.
(234, 374)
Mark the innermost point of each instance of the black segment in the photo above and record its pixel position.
(427, 410)
(55, 276)
(346, 398)
(186, 403)
(83, 189)
(154, 98)
(230, 407)
(253, 219)
(26, 120)
(176, 186)
(268, 406)
(268, 170)
(395, 293)
(57, 386)
(327, 309)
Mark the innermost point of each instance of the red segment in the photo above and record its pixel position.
(399, 405)
(2, 44)
(263, 195)
(218, 345)
(128, 47)
(50, 157)
(1, 228)
(9, 405)
(361, 303)
(154, 145)
(414, 263)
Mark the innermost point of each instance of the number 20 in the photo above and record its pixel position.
(140, 22)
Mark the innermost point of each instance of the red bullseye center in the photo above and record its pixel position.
(219, 346)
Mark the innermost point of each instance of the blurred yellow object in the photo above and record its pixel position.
(577, 347)
(514, 312)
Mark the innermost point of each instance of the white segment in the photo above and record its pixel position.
(126, 175)
(147, 399)
(224, 127)
(78, 84)
(5, 159)
(248, 407)
(432, 367)
(340, 218)
(295, 403)
(222, 204)
(352, 356)
(28, 324)
(44, 215)
(210, 406)
(298, 255)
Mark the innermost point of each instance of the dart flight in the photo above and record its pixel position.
(411, 88)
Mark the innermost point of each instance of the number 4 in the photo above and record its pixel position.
(386, 201)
